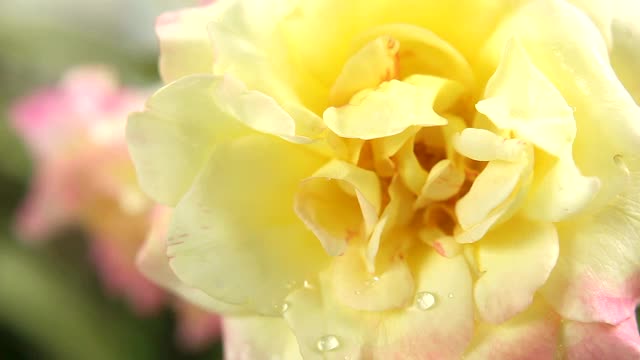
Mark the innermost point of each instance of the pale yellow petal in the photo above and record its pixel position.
(259, 338)
(625, 53)
(339, 203)
(530, 335)
(597, 277)
(438, 325)
(409, 169)
(395, 215)
(519, 98)
(514, 260)
(374, 63)
(153, 262)
(185, 47)
(559, 190)
(172, 139)
(483, 145)
(249, 46)
(493, 193)
(393, 107)
(235, 236)
(422, 51)
(444, 180)
(563, 43)
(356, 287)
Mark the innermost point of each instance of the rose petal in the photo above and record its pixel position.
(153, 262)
(440, 331)
(393, 107)
(518, 97)
(584, 341)
(235, 234)
(530, 335)
(339, 203)
(171, 141)
(506, 286)
(185, 48)
(259, 338)
(597, 278)
(563, 43)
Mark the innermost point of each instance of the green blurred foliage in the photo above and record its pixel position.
(51, 303)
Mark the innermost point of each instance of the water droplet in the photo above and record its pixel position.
(450, 296)
(619, 160)
(283, 307)
(327, 343)
(425, 300)
(307, 285)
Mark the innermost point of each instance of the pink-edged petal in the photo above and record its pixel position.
(530, 335)
(259, 338)
(597, 277)
(593, 341)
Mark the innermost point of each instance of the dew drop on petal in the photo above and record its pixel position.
(307, 285)
(284, 307)
(450, 296)
(425, 300)
(619, 161)
(327, 343)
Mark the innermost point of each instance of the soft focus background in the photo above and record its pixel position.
(52, 305)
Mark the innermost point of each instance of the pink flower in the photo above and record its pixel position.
(83, 176)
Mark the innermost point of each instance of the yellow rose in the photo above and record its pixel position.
(401, 179)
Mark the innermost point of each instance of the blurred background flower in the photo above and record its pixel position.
(70, 288)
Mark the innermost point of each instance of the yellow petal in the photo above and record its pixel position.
(531, 334)
(409, 168)
(597, 278)
(493, 196)
(483, 145)
(172, 139)
(445, 180)
(625, 53)
(384, 148)
(393, 107)
(234, 236)
(421, 51)
(339, 203)
(153, 262)
(506, 287)
(258, 338)
(438, 324)
(185, 47)
(354, 286)
(374, 63)
(518, 97)
(250, 47)
(617, 22)
(395, 215)
(307, 32)
(569, 50)
(559, 189)
(260, 111)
